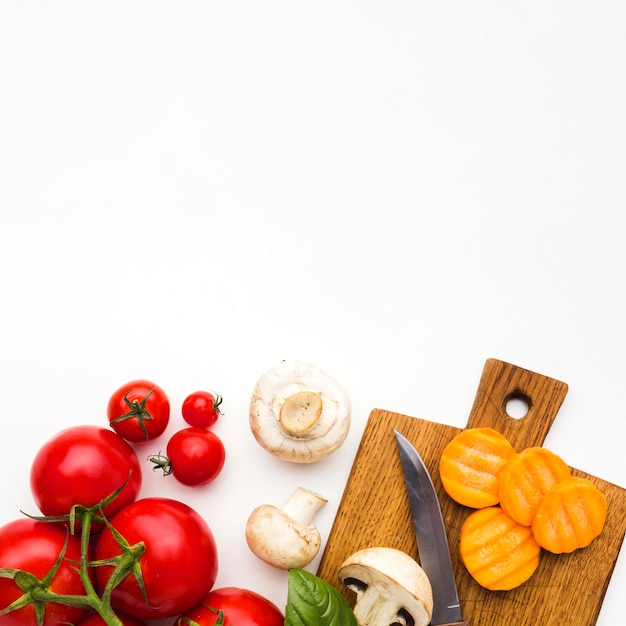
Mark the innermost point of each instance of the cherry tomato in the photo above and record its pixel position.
(241, 607)
(84, 465)
(202, 409)
(139, 411)
(195, 456)
(33, 547)
(180, 563)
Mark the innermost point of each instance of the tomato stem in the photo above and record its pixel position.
(137, 409)
(161, 462)
(217, 402)
(38, 593)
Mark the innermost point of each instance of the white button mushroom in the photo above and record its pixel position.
(299, 413)
(285, 537)
(390, 587)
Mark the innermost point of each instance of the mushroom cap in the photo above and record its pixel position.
(298, 412)
(396, 574)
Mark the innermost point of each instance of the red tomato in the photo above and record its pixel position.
(241, 607)
(201, 409)
(179, 565)
(139, 411)
(33, 546)
(195, 456)
(84, 465)
(95, 620)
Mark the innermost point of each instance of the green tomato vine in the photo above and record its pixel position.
(37, 592)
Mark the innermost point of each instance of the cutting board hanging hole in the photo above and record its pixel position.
(517, 405)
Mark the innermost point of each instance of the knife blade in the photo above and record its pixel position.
(432, 541)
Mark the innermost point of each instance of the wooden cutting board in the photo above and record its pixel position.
(374, 509)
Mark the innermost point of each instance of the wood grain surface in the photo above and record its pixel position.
(374, 510)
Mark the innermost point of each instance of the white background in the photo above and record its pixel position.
(395, 191)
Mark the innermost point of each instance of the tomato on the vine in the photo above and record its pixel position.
(95, 620)
(195, 456)
(202, 409)
(240, 607)
(83, 465)
(179, 565)
(139, 411)
(33, 546)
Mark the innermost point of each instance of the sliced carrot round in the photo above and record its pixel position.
(526, 478)
(498, 552)
(571, 515)
(470, 465)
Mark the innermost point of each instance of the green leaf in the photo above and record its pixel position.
(313, 602)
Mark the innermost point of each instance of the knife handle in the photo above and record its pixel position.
(462, 623)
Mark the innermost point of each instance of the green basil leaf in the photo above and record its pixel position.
(311, 601)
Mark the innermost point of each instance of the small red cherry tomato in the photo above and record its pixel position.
(139, 411)
(195, 456)
(239, 607)
(202, 409)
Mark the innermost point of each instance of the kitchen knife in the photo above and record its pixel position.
(432, 541)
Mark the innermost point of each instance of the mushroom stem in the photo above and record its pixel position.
(302, 505)
(300, 412)
(372, 610)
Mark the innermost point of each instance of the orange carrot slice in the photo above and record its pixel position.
(470, 464)
(526, 479)
(571, 515)
(499, 553)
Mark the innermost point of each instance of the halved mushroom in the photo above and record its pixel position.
(286, 537)
(390, 587)
(299, 413)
